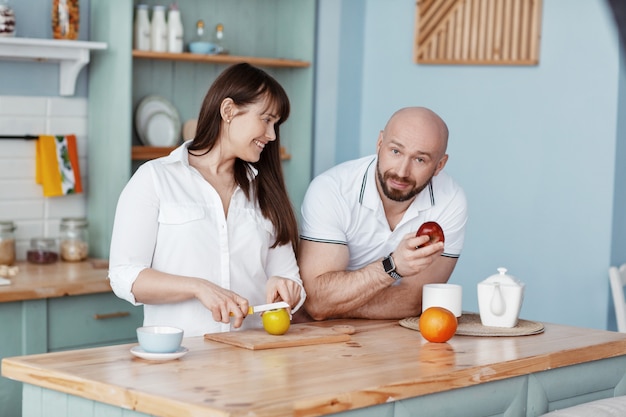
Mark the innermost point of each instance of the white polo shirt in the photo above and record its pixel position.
(342, 206)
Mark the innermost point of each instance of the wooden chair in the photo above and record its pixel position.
(617, 278)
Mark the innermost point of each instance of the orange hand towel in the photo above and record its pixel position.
(57, 165)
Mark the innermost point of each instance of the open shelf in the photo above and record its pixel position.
(72, 56)
(222, 59)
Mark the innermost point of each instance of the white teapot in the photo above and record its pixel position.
(500, 299)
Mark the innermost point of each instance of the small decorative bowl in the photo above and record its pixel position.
(159, 339)
(202, 48)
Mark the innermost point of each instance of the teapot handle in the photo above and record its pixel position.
(498, 306)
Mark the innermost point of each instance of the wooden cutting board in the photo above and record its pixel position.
(298, 335)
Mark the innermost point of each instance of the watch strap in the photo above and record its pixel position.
(390, 267)
(395, 275)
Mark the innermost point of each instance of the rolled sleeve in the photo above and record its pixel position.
(122, 280)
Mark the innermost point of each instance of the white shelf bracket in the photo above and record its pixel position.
(72, 56)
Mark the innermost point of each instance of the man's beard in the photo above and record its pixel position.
(397, 195)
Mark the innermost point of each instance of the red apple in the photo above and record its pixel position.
(433, 231)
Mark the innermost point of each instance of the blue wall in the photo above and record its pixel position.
(535, 148)
(33, 20)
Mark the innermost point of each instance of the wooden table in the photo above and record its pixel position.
(384, 365)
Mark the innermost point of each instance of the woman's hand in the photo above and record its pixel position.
(283, 289)
(222, 303)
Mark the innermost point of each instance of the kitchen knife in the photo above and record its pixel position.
(266, 307)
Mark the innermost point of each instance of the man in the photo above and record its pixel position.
(359, 256)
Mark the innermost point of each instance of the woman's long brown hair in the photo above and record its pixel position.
(245, 85)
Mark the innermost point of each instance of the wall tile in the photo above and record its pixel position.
(23, 106)
(22, 125)
(21, 168)
(67, 107)
(21, 199)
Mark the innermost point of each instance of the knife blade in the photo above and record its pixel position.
(265, 307)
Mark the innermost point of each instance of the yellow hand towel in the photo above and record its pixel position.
(57, 165)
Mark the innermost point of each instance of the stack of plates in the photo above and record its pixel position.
(157, 122)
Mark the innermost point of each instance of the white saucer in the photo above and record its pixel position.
(157, 122)
(140, 353)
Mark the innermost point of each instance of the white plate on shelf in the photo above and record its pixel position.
(161, 129)
(157, 122)
(140, 353)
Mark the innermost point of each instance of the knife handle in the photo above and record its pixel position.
(250, 311)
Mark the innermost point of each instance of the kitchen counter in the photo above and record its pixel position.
(34, 281)
(60, 306)
(383, 365)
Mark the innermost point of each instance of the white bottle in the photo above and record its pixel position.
(142, 28)
(174, 30)
(158, 32)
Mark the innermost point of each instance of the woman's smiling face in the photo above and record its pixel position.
(251, 129)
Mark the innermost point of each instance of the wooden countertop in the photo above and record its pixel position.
(382, 362)
(34, 281)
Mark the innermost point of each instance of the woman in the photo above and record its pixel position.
(201, 234)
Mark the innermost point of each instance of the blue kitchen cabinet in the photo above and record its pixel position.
(64, 323)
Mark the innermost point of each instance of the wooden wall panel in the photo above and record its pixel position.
(478, 32)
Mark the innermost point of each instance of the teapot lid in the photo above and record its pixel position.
(503, 278)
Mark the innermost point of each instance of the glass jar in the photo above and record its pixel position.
(219, 40)
(74, 239)
(7, 19)
(65, 19)
(7, 243)
(42, 251)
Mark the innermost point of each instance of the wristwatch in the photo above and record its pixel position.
(390, 267)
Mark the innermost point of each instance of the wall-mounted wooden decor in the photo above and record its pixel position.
(477, 32)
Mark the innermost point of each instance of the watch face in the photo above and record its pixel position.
(388, 264)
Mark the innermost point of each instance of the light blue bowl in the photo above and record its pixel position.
(202, 48)
(159, 339)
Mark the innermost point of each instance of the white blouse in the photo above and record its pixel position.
(171, 219)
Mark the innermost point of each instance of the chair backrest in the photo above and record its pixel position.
(617, 277)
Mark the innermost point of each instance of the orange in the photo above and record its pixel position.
(437, 324)
(276, 321)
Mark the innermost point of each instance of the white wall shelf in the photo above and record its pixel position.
(72, 56)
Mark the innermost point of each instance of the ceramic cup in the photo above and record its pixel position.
(448, 296)
(159, 339)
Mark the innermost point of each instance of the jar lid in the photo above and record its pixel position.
(74, 222)
(42, 243)
(7, 226)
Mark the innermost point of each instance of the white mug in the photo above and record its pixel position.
(448, 296)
